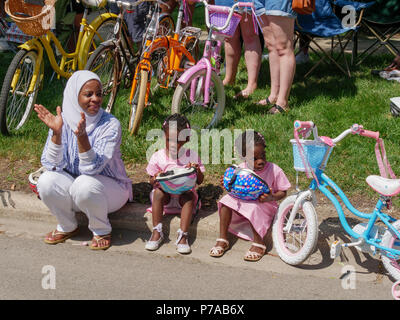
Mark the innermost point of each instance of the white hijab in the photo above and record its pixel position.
(71, 109)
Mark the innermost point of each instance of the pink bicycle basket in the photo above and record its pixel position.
(218, 19)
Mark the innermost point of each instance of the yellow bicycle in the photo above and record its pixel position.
(25, 74)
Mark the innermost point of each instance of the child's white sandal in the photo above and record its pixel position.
(219, 251)
(182, 247)
(154, 245)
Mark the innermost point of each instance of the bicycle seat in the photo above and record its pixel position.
(384, 186)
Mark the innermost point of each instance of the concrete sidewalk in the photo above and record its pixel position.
(133, 216)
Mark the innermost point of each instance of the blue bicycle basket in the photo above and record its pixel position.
(244, 183)
(314, 153)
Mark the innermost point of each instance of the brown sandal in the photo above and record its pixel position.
(276, 109)
(96, 240)
(56, 236)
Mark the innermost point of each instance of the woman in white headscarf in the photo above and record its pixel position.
(85, 171)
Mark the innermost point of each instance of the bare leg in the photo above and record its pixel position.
(252, 54)
(225, 217)
(160, 198)
(232, 58)
(186, 200)
(257, 239)
(278, 36)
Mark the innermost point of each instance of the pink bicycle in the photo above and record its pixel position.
(200, 94)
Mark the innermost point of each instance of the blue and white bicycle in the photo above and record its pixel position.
(295, 228)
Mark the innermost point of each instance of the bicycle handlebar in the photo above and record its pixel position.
(131, 5)
(358, 129)
(224, 9)
(304, 127)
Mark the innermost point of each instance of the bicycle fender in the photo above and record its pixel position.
(202, 64)
(32, 44)
(87, 37)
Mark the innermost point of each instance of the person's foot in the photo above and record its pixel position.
(245, 93)
(302, 57)
(266, 102)
(101, 242)
(56, 236)
(220, 248)
(256, 252)
(277, 109)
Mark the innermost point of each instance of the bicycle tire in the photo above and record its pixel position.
(138, 103)
(166, 25)
(106, 28)
(14, 112)
(200, 116)
(388, 240)
(107, 65)
(306, 219)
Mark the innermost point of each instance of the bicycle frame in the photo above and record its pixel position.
(211, 55)
(321, 182)
(175, 51)
(77, 58)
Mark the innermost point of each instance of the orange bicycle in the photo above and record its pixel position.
(175, 53)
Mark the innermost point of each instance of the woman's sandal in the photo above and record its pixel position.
(255, 256)
(264, 102)
(56, 236)
(276, 109)
(97, 239)
(219, 251)
(153, 245)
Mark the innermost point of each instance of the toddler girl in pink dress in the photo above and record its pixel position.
(173, 156)
(250, 220)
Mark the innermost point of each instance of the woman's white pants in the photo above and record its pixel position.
(96, 196)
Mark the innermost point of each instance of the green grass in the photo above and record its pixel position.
(327, 97)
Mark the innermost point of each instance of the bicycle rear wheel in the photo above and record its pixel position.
(16, 102)
(107, 65)
(294, 246)
(390, 240)
(200, 116)
(138, 102)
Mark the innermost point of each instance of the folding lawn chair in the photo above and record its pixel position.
(382, 20)
(324, 23)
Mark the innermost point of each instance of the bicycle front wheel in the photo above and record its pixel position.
(138, 102)
(390, 240)
(188, 99)
(107, 65)
(16, 100)
(294, 246)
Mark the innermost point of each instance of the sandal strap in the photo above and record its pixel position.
(259, 246)
(180, 235)
(158, 227)
(223, 240)
(217, 250)
(103, 237)
(281, 110)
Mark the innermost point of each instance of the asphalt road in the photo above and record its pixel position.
(30, 269)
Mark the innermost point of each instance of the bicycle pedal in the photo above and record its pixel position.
(336, 248)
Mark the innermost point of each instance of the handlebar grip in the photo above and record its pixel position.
(303, 124)
(245, 4)
(215, 8)
(369, 134)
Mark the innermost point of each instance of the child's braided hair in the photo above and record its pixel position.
(178, 120)
(248, 139)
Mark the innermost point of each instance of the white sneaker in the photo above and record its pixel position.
(154, 245)
(302, 57)
(182, 247)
